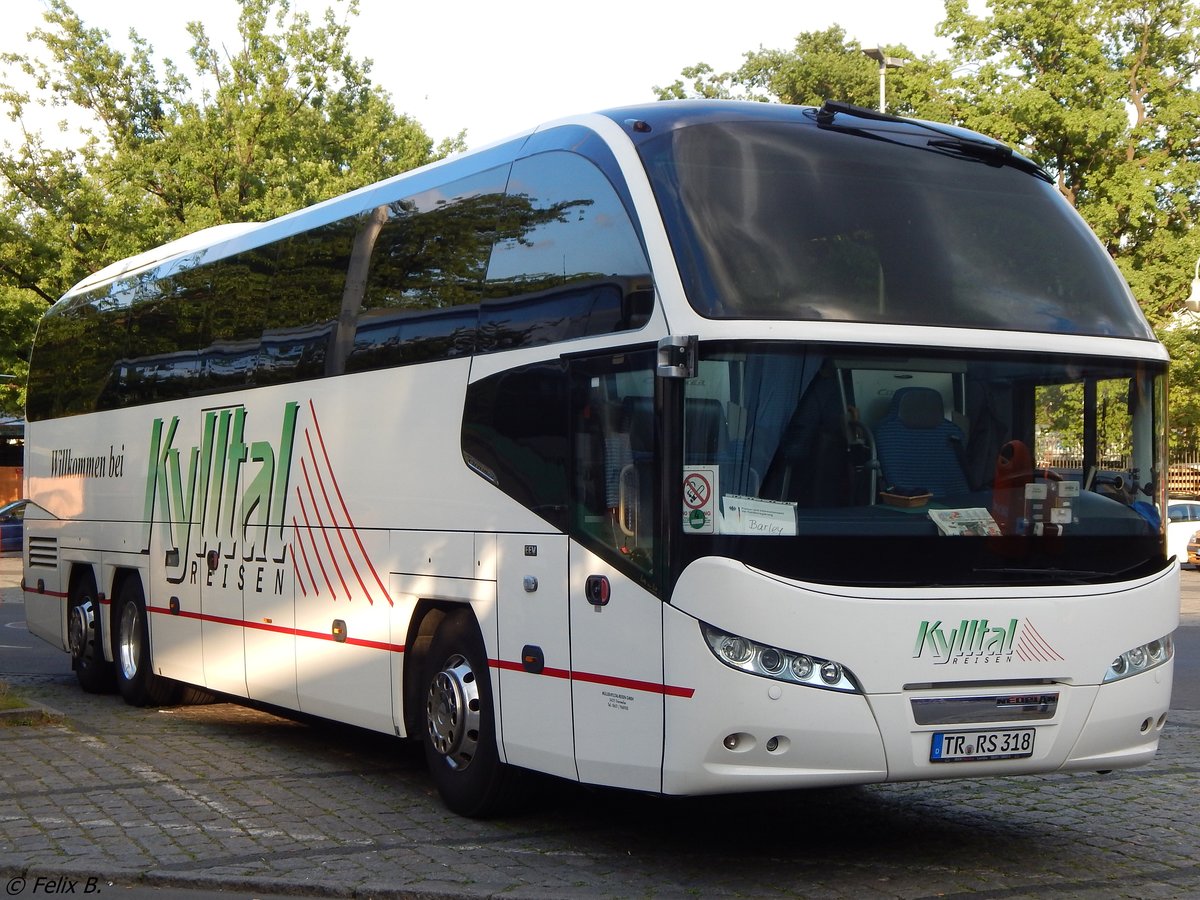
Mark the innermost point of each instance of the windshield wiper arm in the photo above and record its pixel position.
(991, 152)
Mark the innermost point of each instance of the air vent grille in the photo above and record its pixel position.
(43, 552)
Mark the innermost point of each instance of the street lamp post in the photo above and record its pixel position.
(885, 63)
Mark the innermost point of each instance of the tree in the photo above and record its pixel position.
(824, 65)
(286, 119)
(1103, 95)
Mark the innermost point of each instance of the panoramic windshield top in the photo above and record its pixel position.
(788, 220)
(869, 466)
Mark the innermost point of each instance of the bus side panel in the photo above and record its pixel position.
(45, 610)
(377, 487)
(343, 630)
(223, 625)
(45, 581)
(617, 678)
(173, 613)
(269, 605)
(534, 665)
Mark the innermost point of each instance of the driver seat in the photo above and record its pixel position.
(918, 447)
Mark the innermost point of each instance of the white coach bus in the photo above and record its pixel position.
(687, 448)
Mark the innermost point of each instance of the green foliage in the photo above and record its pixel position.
(1104, 94)
(1181, 342)
(823, 65)
(284, 120)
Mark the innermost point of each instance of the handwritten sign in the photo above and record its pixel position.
(750, 515)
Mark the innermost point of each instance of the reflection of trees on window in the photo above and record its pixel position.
(306, 296)
(167, 328)
(74, 354)
(574, 267)
(241, 290)
(486, 263)
(438, 258)
(427, 275)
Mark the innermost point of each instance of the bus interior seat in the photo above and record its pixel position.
(918, 447)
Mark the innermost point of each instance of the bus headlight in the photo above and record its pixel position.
(782, 665)
(1140, 659)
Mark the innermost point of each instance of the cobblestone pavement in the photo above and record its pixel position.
(222, 796)
(226, 797)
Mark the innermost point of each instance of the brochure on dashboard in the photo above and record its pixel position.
(974, 521)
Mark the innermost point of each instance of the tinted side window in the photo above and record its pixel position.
(429, 254)
(167, 328)
(75, 354)
(515, 434)
(568, 263)
(241, 289)
(615, 459)
(306, 298)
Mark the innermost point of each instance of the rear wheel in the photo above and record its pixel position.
(459, 730)
(137, 682)
(94, 672)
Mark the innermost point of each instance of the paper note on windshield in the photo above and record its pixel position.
(750, 515)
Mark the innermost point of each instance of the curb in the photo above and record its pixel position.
(34, 710)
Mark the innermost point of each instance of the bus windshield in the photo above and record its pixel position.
(787, 220)
(842, 464)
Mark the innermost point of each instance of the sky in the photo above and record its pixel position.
(498, 68)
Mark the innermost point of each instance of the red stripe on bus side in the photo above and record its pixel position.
(652, 687)
(277, 629)
(59, 594)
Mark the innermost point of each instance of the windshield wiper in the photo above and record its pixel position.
(990, 152)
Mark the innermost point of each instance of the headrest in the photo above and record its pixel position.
(918, 407)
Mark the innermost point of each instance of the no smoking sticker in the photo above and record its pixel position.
(699, 499)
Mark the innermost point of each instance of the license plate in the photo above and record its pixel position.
(972, 746)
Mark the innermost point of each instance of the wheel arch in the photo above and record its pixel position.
(427, 616)
(80, 569)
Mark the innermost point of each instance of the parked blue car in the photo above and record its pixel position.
(12, 525)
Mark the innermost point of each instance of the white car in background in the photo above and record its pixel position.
(1183, 520)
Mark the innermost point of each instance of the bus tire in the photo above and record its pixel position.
(131, 650)
(84, 638)
(458, 722)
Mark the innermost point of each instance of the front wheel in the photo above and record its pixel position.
(135, 679)
(459, 728)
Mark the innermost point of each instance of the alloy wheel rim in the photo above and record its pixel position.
(130, 642)
(453, 712)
